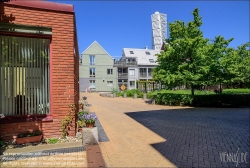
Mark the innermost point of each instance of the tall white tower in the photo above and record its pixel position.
(159, 26)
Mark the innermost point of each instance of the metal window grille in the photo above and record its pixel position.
(24, 76)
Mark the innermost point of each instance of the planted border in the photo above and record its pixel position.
(209, 100)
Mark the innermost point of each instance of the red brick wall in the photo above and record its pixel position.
(64, 88)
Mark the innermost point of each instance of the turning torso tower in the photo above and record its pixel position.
(159, 25)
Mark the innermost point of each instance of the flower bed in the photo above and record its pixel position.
(28, 137)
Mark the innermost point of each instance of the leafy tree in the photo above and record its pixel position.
(184, 58)
(189, 58)
(218, 59)
(240, 68)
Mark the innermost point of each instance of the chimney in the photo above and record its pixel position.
(146, 47)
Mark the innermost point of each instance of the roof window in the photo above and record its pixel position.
(131, 52)
(151, 60)
(148, 53)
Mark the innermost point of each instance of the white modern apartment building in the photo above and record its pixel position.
(146, 61)
(159, 26)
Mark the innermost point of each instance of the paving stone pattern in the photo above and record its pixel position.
(19, 156)
(196, 137)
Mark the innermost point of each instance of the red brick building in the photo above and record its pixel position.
(38, 67)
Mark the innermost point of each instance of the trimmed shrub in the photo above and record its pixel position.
(229, 98)
(150, 95)
(130, 93)
(173, 99)
(120, 94)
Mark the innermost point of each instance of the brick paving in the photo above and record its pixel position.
(142, 135)
(94, 156)
(197, 137)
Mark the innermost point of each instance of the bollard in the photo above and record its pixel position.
(144, 96)
(135, 96)
(153, 100)
(124, 95)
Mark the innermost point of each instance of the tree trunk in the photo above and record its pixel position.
(192, 89)
(220, 89)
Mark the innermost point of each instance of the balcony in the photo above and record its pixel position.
(143, 75)
(124, 63)
(122, 75)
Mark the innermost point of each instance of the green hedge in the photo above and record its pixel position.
(206, 100)
(173, 99)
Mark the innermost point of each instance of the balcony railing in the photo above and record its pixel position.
(143, 75)
(123, 63)
(122, 75)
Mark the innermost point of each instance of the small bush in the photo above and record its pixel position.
(173, 99)
(120, 94)
(81, 123)
(115, 91)
(130, 93)
(53, 140)
(152, 94)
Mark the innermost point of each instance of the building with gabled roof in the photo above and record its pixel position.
(146, 60)
(143, 56)
(96, 69)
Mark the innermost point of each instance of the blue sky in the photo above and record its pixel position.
(127, 24)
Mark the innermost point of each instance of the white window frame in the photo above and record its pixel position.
(92, 84)
(109, 83)
(92, 63)
(131, 86)
(131, 72)
(110, 71)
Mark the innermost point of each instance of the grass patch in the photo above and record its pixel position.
(52, 140)
(236, 91)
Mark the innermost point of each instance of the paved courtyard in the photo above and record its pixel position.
(142, 135)
(199, 137)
